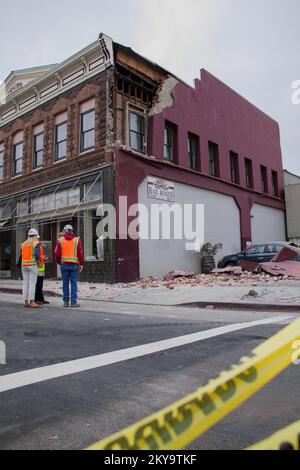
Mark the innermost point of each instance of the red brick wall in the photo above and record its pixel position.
(70, 102)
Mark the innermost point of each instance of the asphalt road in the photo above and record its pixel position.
(74, 411)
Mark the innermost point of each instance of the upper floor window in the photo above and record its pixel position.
(264, 179)
(213, 157)
(275, 191)
(193, 151)
(137, 137)
(1, 162)
(169, 142)
(17, 159)
(61, 129)
(234, 168)
(87, 126)
(248, 173)
(17, 167)
(38, 146)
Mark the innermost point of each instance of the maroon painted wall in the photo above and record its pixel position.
(213, 112)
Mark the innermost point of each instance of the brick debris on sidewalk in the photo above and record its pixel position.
(186, 288)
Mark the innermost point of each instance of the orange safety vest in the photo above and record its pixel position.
(28, 254)
(42, 267)
(69, 250)
(42, 257)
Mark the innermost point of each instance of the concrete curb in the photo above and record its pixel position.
(15, 290)
(242, 306)
(201, 305)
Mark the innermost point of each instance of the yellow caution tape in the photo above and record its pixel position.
(286, 439)
(181, 423)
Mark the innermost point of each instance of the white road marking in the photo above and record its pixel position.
(42, 374)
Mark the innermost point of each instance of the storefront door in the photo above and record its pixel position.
(5, 254)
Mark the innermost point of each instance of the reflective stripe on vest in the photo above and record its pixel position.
(28, 254)
(69, 250)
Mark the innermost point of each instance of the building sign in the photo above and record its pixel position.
(161, 189)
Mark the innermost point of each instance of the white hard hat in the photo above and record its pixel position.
(33, 233)
(68, 228)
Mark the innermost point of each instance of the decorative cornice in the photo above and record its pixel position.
(76, 69)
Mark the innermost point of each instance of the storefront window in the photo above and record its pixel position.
(73, 196)
(37, 204)
(61, 199)
(55, 201)
(5, 252)
(22, 208)
(21, 235)
(93, 192)
(93, 246)
(49, 202)
(45, 231)
(5, 211)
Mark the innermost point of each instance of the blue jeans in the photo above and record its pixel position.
(69, 274)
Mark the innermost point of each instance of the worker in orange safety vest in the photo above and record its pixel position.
(69, 255)
(39, 296)
(30, 261)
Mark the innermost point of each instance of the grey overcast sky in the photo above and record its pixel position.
(253, 46)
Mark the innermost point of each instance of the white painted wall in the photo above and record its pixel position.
(292, 197)
(222, 224)
(267, 224)
(290, 179)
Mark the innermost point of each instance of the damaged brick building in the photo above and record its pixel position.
(108, 123)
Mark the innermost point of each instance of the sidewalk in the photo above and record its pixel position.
(207, 291)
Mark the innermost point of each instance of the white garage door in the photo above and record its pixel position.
(222, 224)
(267, 224)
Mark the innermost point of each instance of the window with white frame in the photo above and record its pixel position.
(61, 130)
(17, 154)
(61, 141)
(38, 146)
(87, 125)
(17, 159)
(87, 131)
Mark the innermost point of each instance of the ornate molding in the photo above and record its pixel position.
(15, 88)
(78, 68)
